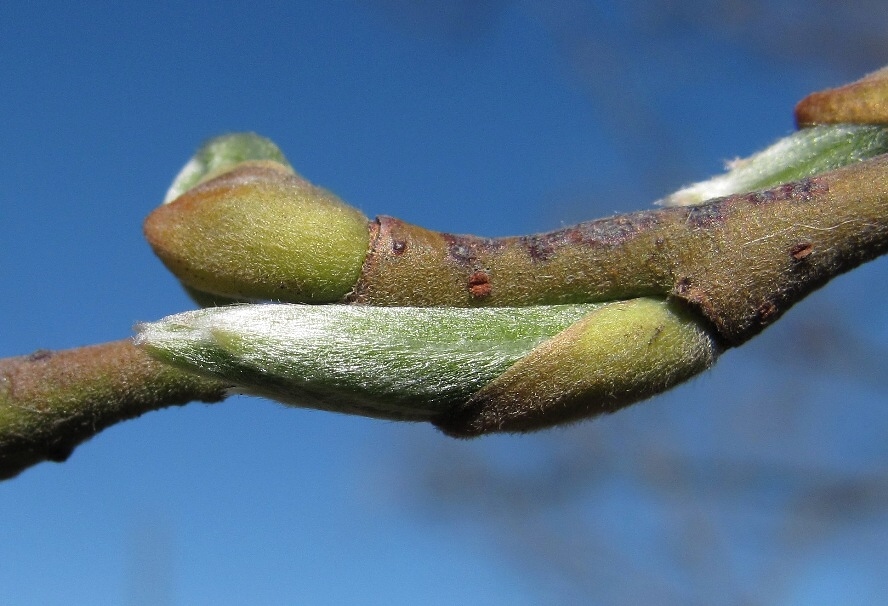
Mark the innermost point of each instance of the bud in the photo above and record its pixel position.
(470, 371)
(800, 155)
(258, 231)
(396, 362)
(861, 102)
(616, 355)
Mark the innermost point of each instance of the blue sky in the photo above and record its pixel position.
(493, 124)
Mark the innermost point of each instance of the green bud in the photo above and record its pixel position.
(258, 231)
(451, 366)
(802, 154)
(400, 362)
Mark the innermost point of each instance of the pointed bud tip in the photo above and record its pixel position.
(800, 155)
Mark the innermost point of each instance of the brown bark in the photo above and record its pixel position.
(742, 261)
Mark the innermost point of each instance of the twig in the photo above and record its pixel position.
(734, 265)
(51, 401)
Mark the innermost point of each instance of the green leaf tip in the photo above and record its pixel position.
(450, 366)
(221, 154)
(800, 155)
(259, 231)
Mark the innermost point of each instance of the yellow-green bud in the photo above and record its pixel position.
(616, 355)
(258, 231)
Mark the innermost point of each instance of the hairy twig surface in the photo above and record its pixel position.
(51, 401)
